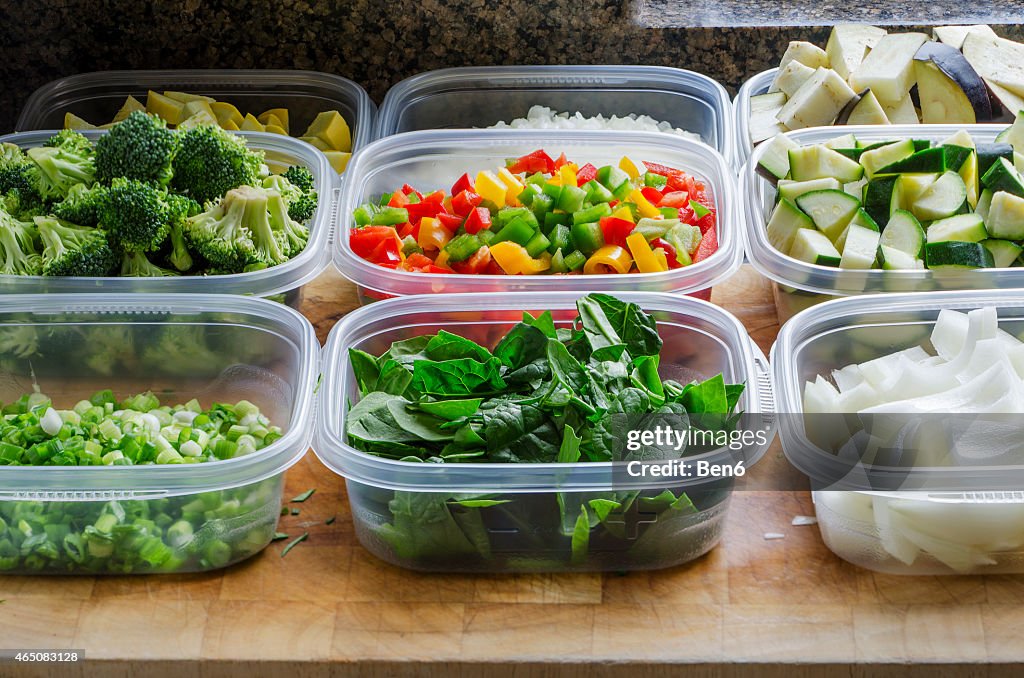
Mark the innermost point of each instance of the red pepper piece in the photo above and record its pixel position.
(364, 241)
(464, 202)
(404, 230)
(708, 245)
(418, 260)
(615, 230)
(450, 221)
(586, 173)
(670, 252)
(674, 199)
(398, 199)
(652, 194)
(707, 223)
(463, 183)
(478, 220)
(409, 190)
(387, 252)
(430, 206)
(562, 160)
(477, 263)
(538, 161)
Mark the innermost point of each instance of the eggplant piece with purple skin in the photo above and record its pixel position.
(949, 88)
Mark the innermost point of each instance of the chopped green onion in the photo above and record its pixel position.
(295, 542)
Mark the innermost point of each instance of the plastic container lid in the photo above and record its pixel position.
(286, 362)
(280, 150)
(760, 197)
(727, 349)
(97, 96)
(484, 96)
(435, 159)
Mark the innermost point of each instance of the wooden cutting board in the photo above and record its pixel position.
(783, 608)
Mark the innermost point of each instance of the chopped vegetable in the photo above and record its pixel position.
(295, 542)
(304, 496)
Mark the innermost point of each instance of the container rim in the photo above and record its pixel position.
(267, 282)
(823, 466)
(573, 75)
(807, 277)
(133, 482)
(720, 179)
(251, 78)
(345, 460)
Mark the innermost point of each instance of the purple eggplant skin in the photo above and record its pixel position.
(847, 110)
(954, 64)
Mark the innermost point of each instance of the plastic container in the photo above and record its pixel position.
(210, 347)
(799, 285)
(942, 530)
(285, 280)
(483, 96)
(97, 96)
(434, 159)
(701, 340)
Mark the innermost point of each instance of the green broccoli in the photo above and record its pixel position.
(182, 349)
(65, 160)
(18, 252)
(18, 341)
(69, 249)
(300, 177)
(139, 147)
(81, 206)
(137, 265)
(301, 202)
(135, 215)
(182, 208)
(18, 173)
(292, 234)
(211, 161)
(220, 234)
(110, 346)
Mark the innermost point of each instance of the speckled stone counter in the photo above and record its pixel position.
(377, 43)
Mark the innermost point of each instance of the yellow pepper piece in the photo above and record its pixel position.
(514, 186)
(442, 259)
(568, 175)
(280, 113)
(317, 142)
(252, 124)
(72, 121)
(646, 259)
(433, 235)
(338, 159)
(164, 107)
(644, 205)
(515, 260)
(624, 213)
(609, 256)
(489, 187)
(627, 166)
(131, 104)
(333, 129)
(185, 97)
(225, 113)
(275, 129)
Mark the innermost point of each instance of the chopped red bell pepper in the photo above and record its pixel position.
(708, 245)
(463, 183)
(430, 206)
(387, 251)
(615, 230)
(687, 216)
(707, 223)
(562, 160)
(450, 221)
(586, 173)
(464, 202)
(670, 252)
(678, 199)
(478, 220)
(407, 229)
(398, 199)
(409, 190)
(364, 240)
(652, 194)
(538, 161)
(418, 260)
(476, 263)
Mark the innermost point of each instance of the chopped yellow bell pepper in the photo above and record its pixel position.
(333, 129)
(280, 113)
(230, 125)
(646, 258)
(433, 235)
(627, 166)
(513, 185)
(225, 113)
(624, 213)
(489, 187)
(164, 107)
(568, 175)
(131, 104)
(442, 259)
(72, 121)
(515, 260)
(316, 142)
(644, 205)
(338, 159)
(610, 256)
(252, 124)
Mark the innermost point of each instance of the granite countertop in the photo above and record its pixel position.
(377, 47)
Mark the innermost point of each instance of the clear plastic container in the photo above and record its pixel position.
(209, 347)
(484, 96)
(799, 285)
(436, 159)
(701, 340)
(97, 96)
(285, 280)
(978, 529)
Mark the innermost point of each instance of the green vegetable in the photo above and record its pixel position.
(295, 542)
(72, 250)
(139, 147)
(212, 161)
(135, 215)
(66, 159)
(304, 496)
(18, 254)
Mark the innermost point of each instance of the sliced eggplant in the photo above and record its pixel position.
(949, 88)
(888, 70)
(848, 44)
(806, 53)
(902, 112)
(1001, 63)
(789, 78)
(863, 109)
(817, 102)
(763, 109)
(954, 36)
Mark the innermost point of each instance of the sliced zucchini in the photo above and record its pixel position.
(961, 138)
(856, 188)
(819, 162)
(786, 220)
(954, 157)
(949, 88)
(861, 220)
(962, 227)
(861, 247)
(789, 78)
(794, 189)
(814, 248)
(763, 109)
(989, 153)
(888, 69)
(893, 259)
(830, 210)
(954, 36)
(954, 254)
(912, 186)
(817, 102)
(944, 198)
(843, 141)
(1015, 134)
(969, 173)
(863, 109)
(998, 60)
(928, 161)
(1004, 253)
(1002, 176)
(904, 233)
(774, 162)
(1005, 217)
(1018, 161)
(882, 198)
(984, 204)
(886, 156)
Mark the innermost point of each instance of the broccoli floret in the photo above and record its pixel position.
(221, 233)
(290, 232)
(182, 349)
(301, 202)
(66, 159)
(69, 249)
(18, 341)
(139, 147)
(136, 215)
(179, 257)
(111, 345)
(81, 206)
(300, 177)
(18, 252)
(212, 161)
(137, 265)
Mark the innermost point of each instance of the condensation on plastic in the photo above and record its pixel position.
(799, 284)
(281, 151)
(97, 96)
(482, 96)
(434, 159)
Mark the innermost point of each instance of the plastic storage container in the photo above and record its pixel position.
(285, 280)
(484, 96)
(799, 285)
(209, 347)
(978, 529)
(97, 96)
(701, 340)
(436, 159)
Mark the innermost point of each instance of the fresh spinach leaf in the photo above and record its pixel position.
(457, 377)
(365, 369)
(448, 346)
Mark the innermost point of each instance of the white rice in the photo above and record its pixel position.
(542, 117)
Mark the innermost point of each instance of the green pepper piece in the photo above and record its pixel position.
(669, 212)
(597, 193)
(518, 231)
(363, 214)
(590, 214)
(558, 262)
(575, 260)
(655, 180)
(571, 199)
(553, 191)
(654, 228)
(611, 177)
(552, 219)
(538, 243)
(462, 247)
(561, 239)
(587, 237)
(390, 216)
(622, 191)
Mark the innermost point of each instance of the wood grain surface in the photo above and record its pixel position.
(784, 608)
